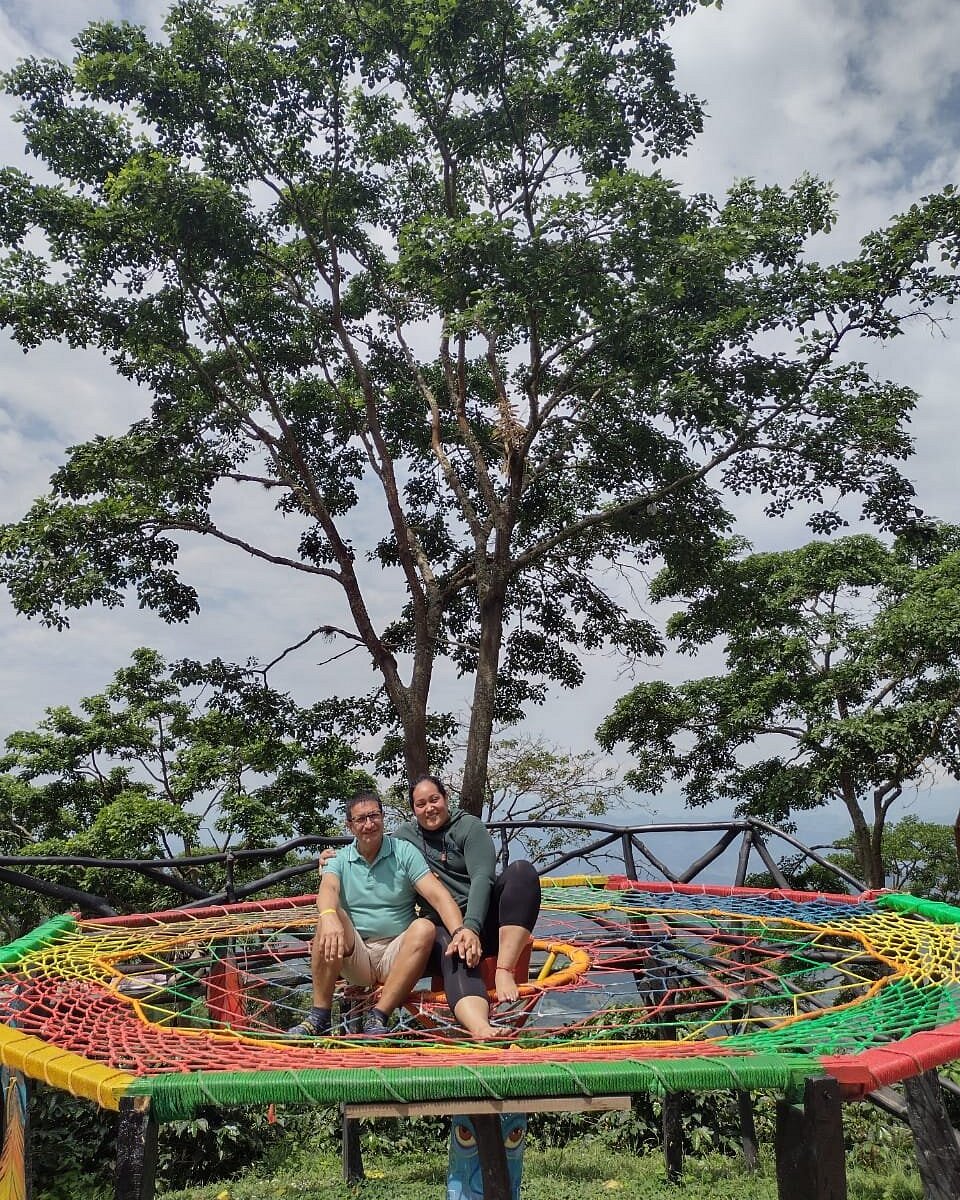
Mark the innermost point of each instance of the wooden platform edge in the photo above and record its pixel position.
(447, 1108)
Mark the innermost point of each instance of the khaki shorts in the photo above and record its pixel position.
(371, 961)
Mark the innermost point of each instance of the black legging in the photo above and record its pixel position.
(515, 901)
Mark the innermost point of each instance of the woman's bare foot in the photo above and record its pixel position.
(485, 1034)
(506, 985)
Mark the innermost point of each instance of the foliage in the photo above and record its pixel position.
(72, 1146)
(918, 856)
(406, 254)
(217, 1143)
(138, 769)
(842, 683)
(582, 1168)
(568, 1155)
(528, 779)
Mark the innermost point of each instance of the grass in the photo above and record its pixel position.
(582, 1170)
(578, 1172)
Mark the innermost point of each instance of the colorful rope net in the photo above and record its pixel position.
(633, 987)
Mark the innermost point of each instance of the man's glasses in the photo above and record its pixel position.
(366, 818)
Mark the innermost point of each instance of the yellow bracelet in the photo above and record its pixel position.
(324, 911)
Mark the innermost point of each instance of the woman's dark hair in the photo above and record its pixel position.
(437, 783)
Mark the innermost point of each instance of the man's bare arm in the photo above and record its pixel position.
(330, 932)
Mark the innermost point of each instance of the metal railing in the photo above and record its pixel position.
(629, 845)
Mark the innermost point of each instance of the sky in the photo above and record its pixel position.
(864, 93)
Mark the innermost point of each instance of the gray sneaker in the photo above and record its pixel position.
(375, 1027)
(310, 1029)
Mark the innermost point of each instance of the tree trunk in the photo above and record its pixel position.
(416, 752)
(863, 842)
(480, 732)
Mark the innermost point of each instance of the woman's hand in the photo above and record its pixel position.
(327, 854)
(466, 944)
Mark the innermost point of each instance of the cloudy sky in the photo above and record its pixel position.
(865, 93)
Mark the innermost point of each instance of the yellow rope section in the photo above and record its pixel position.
(62, 1069)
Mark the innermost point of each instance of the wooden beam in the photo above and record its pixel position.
(450, 1108)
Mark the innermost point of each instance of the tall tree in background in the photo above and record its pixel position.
(528, 779)
(842, 683)
(165, 760)
(402, 252)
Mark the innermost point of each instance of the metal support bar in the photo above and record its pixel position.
(743, 858)
(778, 876)
(710, 856)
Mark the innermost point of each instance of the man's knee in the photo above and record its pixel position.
(420, 935)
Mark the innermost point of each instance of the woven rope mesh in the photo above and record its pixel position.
(632, 988)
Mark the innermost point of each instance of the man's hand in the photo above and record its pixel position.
(330, 940)
(466, 944)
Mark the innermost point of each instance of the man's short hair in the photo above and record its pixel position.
(358, 799)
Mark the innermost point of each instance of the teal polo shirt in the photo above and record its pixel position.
(379, 897)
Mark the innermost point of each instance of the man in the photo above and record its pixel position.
(368, 930)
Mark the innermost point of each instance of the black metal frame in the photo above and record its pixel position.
(631, 840)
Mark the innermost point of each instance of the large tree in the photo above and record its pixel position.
(164, 761)
(842, 683)
(405, 251)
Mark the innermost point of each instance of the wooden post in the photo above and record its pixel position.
(809, 1145)
(353, 1012)
(748, 1130)
(671, 1125)
(136, 1150)
(672, 1137)
(493, 1157)
(351, 1154)
(934, 1138)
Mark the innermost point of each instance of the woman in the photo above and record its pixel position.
(499, 911)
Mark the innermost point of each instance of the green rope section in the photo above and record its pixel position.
(933, 910)
(50, 931)
(900, 1008)
(179, 1096)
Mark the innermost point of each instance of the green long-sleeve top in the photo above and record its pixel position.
(463, 857)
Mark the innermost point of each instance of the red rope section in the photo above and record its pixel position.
(886, 1065)
(172, 916)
